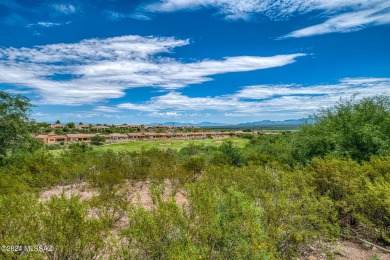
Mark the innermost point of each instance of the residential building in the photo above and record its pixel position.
(57, 126)
(80, 137)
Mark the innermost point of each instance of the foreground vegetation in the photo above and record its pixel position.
(270, 199)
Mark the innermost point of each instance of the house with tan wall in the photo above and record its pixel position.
(100, 127)
(80, 137)
(57, 126)
(116, 137)
(136, 136)
(52, 138)
(83, 127)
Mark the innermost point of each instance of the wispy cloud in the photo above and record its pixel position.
(106, 109)
(10, 4)
(168, 114)
(14, 19)
(20, 14)
(66, 9)
(351, 21)
(99, 69)
(80, 115)
(262, 100)
(115, 16)
(174, 115)
(346, 87)
(234, 9)
(46, 24)
(342, 15)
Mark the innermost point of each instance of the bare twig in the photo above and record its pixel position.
(381, 248)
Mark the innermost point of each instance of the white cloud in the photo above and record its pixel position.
(46, 24)
(346, 87)
(177, 101)
(173, 114)
(165, 114)
(98, 69)
(235, 9)
(40, 114)
(351, 21)
(262, 100)
(106, 109)
(77, 116)
(65, 8)
(275, 10)
(115, 16)
(344, 15)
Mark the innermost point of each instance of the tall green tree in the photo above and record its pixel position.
(14, 124)
(70, 125)
(350, 129)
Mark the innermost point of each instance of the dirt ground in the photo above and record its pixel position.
(346, 250)
(79, 189)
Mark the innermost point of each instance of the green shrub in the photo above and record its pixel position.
(80, 147)
(67, 226)
(98, 140)
(19, 224)
(350, 129)
(159, 233)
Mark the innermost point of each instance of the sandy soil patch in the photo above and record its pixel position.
(80, 189)
(355, 251)
(346, 250)
(139, 193)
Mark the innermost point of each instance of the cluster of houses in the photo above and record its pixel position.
(142, 133)
(104, 127)
(70, 138)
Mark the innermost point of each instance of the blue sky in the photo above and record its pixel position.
(227, 61)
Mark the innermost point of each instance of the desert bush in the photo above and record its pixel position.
(98, 140)
(350, 129)
(67, 226)
(159, 233)
(19, 225)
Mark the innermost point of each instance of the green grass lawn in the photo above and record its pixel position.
(169, 143)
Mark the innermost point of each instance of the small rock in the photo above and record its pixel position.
(312, 258)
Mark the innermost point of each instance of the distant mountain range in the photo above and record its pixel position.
(290, 122)
(271, 123)
(189, 124)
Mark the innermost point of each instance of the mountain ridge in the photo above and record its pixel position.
(291, 122)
